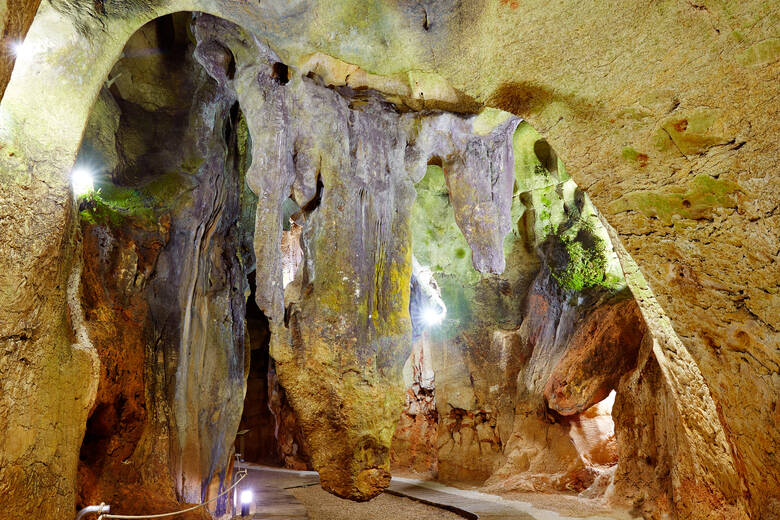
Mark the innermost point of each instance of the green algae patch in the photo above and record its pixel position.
(192, 164)
(584, 260)
(488, 120)
(163, 190)
(761, 53)
(112, 205)
(391, 316)
(703, 194)
(244, 142)
(630, 154)
(530, 174)
(437, 241)
(693, 131)
(634, 113)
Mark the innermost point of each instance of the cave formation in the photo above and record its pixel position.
(488, 245)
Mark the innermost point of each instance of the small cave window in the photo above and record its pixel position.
(546, 156)
(292, 253)
(435, 161)
(231, 67)
(593, 433)
(280, 72)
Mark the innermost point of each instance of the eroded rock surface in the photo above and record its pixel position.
(166, 254)
(341, 329)
(604, 346)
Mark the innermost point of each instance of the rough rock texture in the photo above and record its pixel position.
(273, 435)
(340, 330)
(700, 469)
(540, 454)
(603, 347)
(118, 264)
(671, 92)
(413, 449)
(341, 333)
(165, 257)
(258, 444)
(49, 368)
(414, 442)
(480, 174)
(554, 318)
(290, 442)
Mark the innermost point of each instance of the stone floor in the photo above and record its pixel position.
(274, 499)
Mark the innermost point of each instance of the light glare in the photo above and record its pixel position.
(608, 402)
(432, 316)
(82, 182)
(246, 496)
(18, 48)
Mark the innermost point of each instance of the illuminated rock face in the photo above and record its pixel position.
(15, 18)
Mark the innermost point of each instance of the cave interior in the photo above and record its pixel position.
(260, 257)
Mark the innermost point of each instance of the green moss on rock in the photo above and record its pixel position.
(703, 194)
(113, 205)
(693, 131)
(581, 258)
(629, 154)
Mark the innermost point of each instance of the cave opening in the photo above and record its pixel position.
(123, 320)
(268, 433)
(593, 433)
(166, 228)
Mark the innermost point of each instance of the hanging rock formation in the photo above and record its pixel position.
(341, 330)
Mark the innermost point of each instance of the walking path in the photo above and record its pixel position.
(272, 499)
(275, 502)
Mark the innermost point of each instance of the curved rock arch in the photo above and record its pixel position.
(705, 127)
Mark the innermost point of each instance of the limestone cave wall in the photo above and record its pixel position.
(166, 250)
(16, 16)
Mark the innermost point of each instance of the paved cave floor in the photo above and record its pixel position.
(281, 494)
(321, 505)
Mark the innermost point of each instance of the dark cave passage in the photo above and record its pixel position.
(256, 441)
(268, 431)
